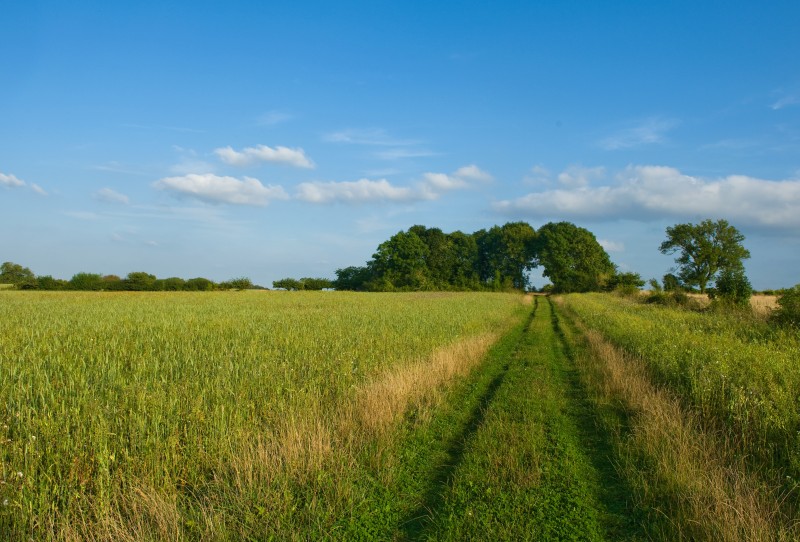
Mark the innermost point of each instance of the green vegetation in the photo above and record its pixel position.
(734, 371)
(705, 250)
(255, 415)
(497, 259)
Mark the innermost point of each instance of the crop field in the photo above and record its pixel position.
(419, 416)
(231, 415)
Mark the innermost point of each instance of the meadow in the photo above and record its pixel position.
(225, 415)
(249, 415)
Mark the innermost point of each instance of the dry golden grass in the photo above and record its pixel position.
(384, 401)
(764, 304)
(692, 477)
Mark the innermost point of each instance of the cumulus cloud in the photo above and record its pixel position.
(10, 180)
(473, 173)
(611, 246)
(655, 192)
(578, 176)
(430, 187)
(434, 184)
(262, 153)
(108, 195)
(216, 189)
(361, 191)
(647, 132)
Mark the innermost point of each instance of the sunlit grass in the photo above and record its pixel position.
(160, 415)
(734, 371)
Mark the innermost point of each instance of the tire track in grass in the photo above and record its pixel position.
(533, 465)
(415, 525)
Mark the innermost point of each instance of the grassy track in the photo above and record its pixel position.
(528, 463)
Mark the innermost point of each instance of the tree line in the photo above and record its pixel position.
(24, 279)
(497, 259)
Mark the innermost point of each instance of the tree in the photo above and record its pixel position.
(86, 281)
(733, 287)
(198, 284)
(788, 312)
(353, 278)
(287, 284)
(401, 262)
(240, 283)
(572, 258)
(704, 250)
(13, 273)
(505, 254)
(139, 281)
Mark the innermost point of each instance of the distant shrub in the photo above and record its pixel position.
(788, 311)
(733, 288)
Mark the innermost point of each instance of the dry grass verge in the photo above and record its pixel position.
(693, 479)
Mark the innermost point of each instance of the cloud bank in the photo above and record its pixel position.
(217, 189)
(262, 153)
(656, 192)
(431, 187)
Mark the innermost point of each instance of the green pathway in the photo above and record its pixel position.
(529, 462)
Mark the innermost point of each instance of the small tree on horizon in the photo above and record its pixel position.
(704, 250)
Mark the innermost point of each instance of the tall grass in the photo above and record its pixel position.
(159, 416)
(736, 373)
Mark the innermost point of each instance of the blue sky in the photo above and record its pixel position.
(274, 139)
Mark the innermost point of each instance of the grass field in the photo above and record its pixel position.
(428, 416)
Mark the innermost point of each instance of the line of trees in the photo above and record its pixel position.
(497, 259)
(24, 279)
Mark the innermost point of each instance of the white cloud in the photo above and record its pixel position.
(262, 153)
(216, 189)
(10, 180)
(111, 196)
(578, 176)
(611, 246)
(473, 173)
(646, 132)
(655, 192)
(432, 186)
(38, 189)
(360, 191)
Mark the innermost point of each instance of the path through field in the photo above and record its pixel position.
(529, 462)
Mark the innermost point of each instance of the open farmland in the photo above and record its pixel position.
(420, 416)
(160, 416)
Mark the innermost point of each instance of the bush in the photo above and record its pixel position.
(734, 288)
(788, 312)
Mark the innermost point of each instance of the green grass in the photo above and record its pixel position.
(152, 415)
(530, 463)
(737, 373)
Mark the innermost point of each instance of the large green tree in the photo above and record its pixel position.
(705, 250)
(572, 258)
(505, 254)
(14, 273)
(401, 263)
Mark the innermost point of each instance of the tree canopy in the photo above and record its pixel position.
(572, 258)
(496, 259)
(704, 250)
